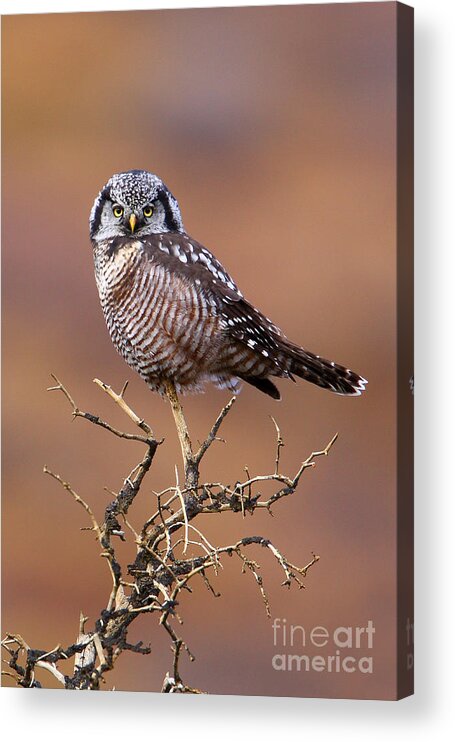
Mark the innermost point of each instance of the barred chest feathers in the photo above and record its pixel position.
(159, 322)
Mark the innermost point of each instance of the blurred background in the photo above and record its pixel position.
(275, 129)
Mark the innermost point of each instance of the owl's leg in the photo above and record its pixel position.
(189, 462)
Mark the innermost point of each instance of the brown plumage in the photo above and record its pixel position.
(172, 310)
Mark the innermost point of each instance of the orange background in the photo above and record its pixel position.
(275, 129)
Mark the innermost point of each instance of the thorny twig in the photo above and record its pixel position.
(164, 564)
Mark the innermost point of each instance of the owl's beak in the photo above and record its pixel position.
(133, 220)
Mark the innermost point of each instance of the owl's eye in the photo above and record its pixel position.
(147, 211)
(117, 211)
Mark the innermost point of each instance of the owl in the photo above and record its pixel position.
(172, 310)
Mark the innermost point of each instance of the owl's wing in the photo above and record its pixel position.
(189, 258)
(243, 323)
(195, 263)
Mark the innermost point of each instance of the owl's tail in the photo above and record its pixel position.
(323, 373)
(292, 360)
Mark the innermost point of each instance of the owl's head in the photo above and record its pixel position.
(136, 202)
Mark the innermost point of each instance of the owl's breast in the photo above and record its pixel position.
(115, 266)
(157, 318)
(116, 269)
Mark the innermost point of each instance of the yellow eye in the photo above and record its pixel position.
(117, 211)
(147, 211)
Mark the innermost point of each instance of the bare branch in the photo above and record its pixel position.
(215, 428)
(279, 445)
(171, 551)
(189, 463)
(94, 418)
(78, 499)
(119, 400)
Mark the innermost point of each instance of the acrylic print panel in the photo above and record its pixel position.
(275, 128)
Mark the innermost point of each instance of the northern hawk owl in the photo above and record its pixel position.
(172, 310)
